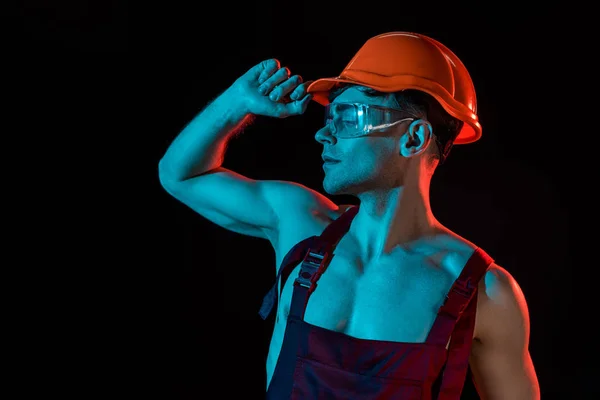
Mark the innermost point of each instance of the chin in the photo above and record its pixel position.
(335, 187)
(331, 188)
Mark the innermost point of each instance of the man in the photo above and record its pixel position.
(381, 298)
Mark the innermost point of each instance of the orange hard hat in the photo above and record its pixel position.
(395, 61)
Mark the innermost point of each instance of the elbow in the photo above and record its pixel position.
(165, 177)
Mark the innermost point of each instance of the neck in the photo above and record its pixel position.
(392, 217)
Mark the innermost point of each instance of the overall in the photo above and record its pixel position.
(317, 363)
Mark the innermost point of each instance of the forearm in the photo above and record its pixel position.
(200, 146)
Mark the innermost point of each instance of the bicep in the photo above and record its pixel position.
(502, 373)
(228, 199)
(500, 361)
(241, 204)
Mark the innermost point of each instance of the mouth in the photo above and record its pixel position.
(329, 163)
(329, 160)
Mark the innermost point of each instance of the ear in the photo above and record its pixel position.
(416, 138)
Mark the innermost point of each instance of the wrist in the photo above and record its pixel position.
(234, 104)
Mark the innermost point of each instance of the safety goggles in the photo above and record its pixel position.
(350, 120)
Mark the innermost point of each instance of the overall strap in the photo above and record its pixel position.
(453, 374)
(456, 319)
(458, 297)
(316, 260)
(302, 252)
(292, 258)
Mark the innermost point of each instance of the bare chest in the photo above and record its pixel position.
(395, 299)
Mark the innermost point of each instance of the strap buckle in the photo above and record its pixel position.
(310, 265)
(464, 289)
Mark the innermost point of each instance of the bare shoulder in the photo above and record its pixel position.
(301, 212)
(501, 303)
(499, 286)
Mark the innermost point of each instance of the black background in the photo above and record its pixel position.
(150, 295)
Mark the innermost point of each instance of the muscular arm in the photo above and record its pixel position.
(200, 146)
(191, 169)
(247, 206)
(500, 361)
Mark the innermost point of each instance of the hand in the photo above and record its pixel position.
(269, 90)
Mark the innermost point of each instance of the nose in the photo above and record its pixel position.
(324, 135)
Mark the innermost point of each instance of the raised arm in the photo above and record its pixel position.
(191, 169)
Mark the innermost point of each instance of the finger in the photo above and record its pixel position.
(281, 75)
(265, 69)
(284, 88)
(300, 91)
(302, 104)
(295, 107)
